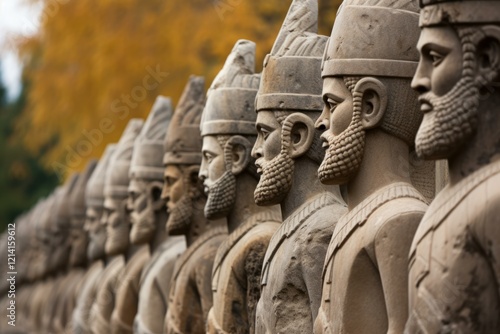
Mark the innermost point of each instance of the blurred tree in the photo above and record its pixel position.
(99, 63)
(22, 179)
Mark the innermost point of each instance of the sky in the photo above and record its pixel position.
(17, 17)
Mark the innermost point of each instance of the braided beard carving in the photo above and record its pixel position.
(453, 118)
(180, 216)
(143, 222)
(345, 151)
(276, 179)
(221, 197)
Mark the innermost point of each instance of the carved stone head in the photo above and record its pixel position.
(289, 102)
(366, 73)
(183, 190)
(116, 184)
(78, 236)
(60, 224)
(459, 67)
(228, 129)
(94, 201)
(146, 173)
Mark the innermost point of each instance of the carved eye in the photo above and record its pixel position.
(265, 133)
(436, 57)
(209, 157)
(331, 104)
(169, 180)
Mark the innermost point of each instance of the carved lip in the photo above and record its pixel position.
(425, 105)
(259, 167)
(325, 141)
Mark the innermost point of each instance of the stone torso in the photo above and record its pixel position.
(81, 313)
(155, 287)
(454, 261)
(354, 297)
(104, 303)
(291, 276)
(236, 275)
(191, 295)
(127, 294)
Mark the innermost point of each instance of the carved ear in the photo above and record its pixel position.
(237, 151)
(373, 102)
(298, 129)
(155, 190)
(488, 54)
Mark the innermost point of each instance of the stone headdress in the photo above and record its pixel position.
(378, 38)
(297, 47)
(117, 174)
(77, 200)
(62, 205)
(230, 108)
(148, 152)
(455, 12)
(183, 141)
(94, 191)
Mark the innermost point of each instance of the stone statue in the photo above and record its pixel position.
(370, 121)
(75, 212)
(288, 152)
(454, 259)
(118, 228)
(191, 294)
(94, 202)
(230, 178)
(58, 229)
(148, 216)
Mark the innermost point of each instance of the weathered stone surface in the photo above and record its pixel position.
(369, 123)
(190, 295)
(288, 153)
(230, 178)
(454, 267)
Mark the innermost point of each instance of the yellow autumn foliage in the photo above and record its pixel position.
(96, 64)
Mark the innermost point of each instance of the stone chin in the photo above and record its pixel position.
(116, 244)
(275, 181)
(221, 197)
(78, 252)
(141, 233)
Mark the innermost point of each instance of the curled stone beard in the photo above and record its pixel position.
(451, 122)
(143, 223)
(276, 179)
(345, 152)
(454, 116)
(180, 216)
(221, 197)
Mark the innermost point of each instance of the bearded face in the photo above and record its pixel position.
(183, 197)
(273, 160)
(79, 242)
(450, 119)
(117, 225)
(344, 136)
(96, 232)
(145, 202)
(221, 196)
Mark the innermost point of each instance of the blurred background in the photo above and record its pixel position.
(73, 72)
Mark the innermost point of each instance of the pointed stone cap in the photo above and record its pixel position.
(230, 107)
(117, 175)
(291, 78)
(147, 158)
(360, 45)
(94, 192)
(446, 12)
(183, 141)
(77, 200)
(62, 205)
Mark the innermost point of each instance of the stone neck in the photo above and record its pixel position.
(160, 234)
(131, 251)
(305, 186)
(244, 205)
(110, 259)
(484, 146)
(385, 161)
(199, 224)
